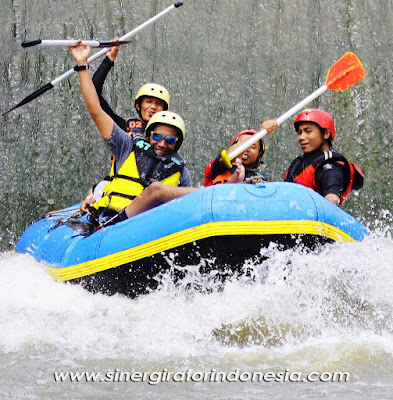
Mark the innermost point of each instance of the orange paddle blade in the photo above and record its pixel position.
(345, 72)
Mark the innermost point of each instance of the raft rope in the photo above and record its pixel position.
(57, 213)
(99, 224)
(75, 215)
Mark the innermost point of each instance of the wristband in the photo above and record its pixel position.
(81, 67)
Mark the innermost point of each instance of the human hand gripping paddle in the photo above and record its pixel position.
(69, 73)
(344, 73)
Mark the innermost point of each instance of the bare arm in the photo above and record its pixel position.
(102, 120)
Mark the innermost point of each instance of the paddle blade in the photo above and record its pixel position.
(30, 43)
(110, 43)
(345, 72)
(31, 97)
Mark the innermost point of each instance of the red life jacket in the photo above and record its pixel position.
(353, 176)
(212, 179)
(222, 178)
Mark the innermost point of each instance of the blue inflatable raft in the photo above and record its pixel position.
(227, 223)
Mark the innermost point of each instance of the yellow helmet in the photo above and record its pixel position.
(167, 118)
(153, 90)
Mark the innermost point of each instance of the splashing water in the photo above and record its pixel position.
(330, 311)
(228, 66)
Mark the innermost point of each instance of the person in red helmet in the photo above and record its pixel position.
(245, 165)
(320, 167)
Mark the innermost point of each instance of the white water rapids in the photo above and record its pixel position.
(324, 313)
(228, 65)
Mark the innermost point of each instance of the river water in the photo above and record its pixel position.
(331, 314)
(228, 66)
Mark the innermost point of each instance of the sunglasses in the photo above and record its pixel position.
(157, 137)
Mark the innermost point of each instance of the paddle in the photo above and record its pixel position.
(342, 74)
(72, 43)
(67, 74)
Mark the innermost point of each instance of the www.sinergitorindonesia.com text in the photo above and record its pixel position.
(165, 376)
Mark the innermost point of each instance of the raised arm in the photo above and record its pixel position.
(99, 79)
(106, 65)
(102, 120)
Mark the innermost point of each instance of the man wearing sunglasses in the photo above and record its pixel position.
(150, 98)
(140, 164)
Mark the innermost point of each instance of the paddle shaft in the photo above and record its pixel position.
(254, 138)
(342, 74)
(71, 43)
(69, 73)
(127, 36)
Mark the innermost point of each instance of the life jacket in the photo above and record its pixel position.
(141, 168)
(223, 178)
(135, 128)
(353, 176)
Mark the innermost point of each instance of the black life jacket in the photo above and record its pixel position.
(136, 128)
(304, 172)
(141, 168)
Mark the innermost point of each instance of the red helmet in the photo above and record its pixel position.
(249, 132)
(320, 117)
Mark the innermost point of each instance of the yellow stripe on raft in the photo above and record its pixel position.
(225, 228)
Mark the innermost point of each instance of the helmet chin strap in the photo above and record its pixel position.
(139, 111)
